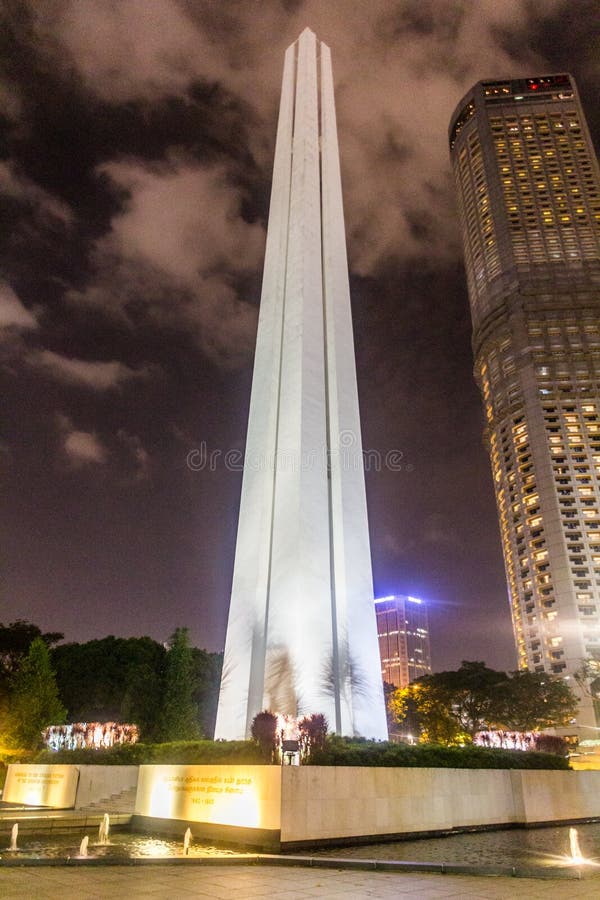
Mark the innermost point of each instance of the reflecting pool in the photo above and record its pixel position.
(521, 848)
(121, 845)
(550, 846)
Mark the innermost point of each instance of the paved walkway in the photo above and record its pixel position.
(280, 883)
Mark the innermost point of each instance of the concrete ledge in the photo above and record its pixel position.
(360, 865)
(253, 838)
(46, 823)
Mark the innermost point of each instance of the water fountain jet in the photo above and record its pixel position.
(83, 847)
(186, 842)
(104, 829)
(575, 855)
(13, 837)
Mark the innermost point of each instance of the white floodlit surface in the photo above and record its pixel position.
(302, 635)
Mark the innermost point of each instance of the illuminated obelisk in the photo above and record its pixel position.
(302, 636)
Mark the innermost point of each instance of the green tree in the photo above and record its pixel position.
(179, 712)
(120, 679)
(453, 706)
(206, 683)
(475, 695)
(34, 701)
(402, 714)
(388, 693)
(588, 679)
(430, 706)
(113, 679)
(15, 641)
(533, 701)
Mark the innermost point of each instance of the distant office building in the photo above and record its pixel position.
(403, 630)
(529, 201)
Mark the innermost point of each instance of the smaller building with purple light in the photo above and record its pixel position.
(403, 631)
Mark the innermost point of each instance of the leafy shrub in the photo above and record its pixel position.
(336, 752)
(313, 733)
(8, 756)
(119, 755)
(551, 743)
(207, 752)
(264, 732)
(358, 752)
(174, 753)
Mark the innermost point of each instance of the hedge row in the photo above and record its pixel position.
(175, 753)
(337, 752)
(348, 752)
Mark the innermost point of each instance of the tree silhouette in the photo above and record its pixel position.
(34, 701)
(453, 706)
(264, 732)
(179, 721)
(313, 733)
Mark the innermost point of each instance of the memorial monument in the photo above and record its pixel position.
(302, 635)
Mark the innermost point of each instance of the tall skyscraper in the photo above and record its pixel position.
(403, 631)
(301, 636)
(529, 200)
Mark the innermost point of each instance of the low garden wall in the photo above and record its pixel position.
(343, 803)
(301, 806)
(41, 785)
(65, 786)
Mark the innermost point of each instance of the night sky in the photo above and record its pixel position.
(136, 145)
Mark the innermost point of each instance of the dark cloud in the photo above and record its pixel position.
(422, 18)
(14, 317)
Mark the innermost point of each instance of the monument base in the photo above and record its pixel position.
(273, 808)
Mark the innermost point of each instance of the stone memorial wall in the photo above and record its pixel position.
(41, 785)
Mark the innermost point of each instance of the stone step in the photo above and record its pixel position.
(123, 801)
